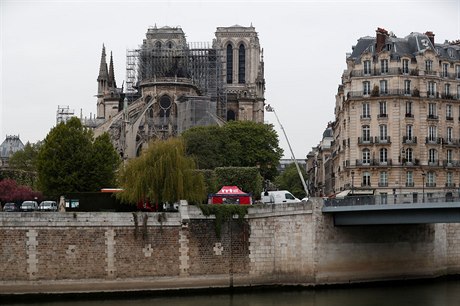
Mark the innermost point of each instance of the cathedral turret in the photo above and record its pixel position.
(112, 83)
(103, 78)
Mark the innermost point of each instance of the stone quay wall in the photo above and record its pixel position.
(277, 244)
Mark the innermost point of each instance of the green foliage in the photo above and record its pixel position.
(69, 161)
(209, 180)
(162, 174)
(236, 144)
(23, 166)
(290, 180)
(247, 179)
(224, 213)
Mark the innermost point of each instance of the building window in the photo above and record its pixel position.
(409, 155)
(165, 106)
(367, 67)
(445, 68)
(408, 108)
(457, 71)
(383, 156)
(366, 133)
(409, 179)
(449, 155)
(407, 87)
(158, 45)
(366, 157)
(449, 112)
(383, 87)
(229, 64)
(382, 109)
(432, 133)
(241, 64)
(384, 66)
(366, 88)
(431, 89)
(366, 110)
(383, 179)
(428, 65)
(447, 90)
(366, 179)
(450, 180)
(383, 132)
(432, 110)
(431, 179)
(432, 156)
(409, 133)
(405, 66)
(449, 135)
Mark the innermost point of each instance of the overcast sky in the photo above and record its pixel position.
(50, 51)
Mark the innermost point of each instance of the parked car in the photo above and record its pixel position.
(278, 197)
(48, 206)
(29, 206)
(11, 207)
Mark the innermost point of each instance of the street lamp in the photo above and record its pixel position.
(352, 182)
(268, 108)
(423, 186)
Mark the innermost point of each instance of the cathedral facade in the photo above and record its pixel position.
(172, 85)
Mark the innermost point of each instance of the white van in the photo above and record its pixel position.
(278, 197)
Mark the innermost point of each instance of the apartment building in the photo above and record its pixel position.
(396, 130)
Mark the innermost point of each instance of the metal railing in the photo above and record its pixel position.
(390, 199)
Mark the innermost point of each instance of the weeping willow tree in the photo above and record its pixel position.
(163, 173)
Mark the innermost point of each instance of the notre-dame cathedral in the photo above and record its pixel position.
(172, 85)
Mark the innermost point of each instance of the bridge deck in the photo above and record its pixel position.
(416, 213)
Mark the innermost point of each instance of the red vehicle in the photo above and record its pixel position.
(230, 195)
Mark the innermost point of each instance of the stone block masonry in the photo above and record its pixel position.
(276, 244)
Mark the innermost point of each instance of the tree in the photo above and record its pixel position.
(23, 165)
(10, 191)
(290, 180)
(69, 160)
(25, 159)
(236, 144)
(162, 173)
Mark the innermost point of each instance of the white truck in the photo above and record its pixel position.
(278, 197)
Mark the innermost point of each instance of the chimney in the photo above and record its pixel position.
(381, 35)
(430, 36)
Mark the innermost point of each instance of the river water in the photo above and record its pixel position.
(433, 293)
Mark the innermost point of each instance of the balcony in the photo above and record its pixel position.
(409, 140)
(433, 140)
(383, 184)
(432, 117)
(449, 118)
(450, 163)
(430, 184)
(409, 184)
(408, 115)
(450, 142)
(450, 185)
(373, 163)
(382, 141)
(382, 116)
(433, 163)
(365, 141)
(410, 163)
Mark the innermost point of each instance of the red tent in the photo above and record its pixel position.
(230, 195)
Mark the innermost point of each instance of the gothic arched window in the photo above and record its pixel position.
(165, 106)
(230, 115)
(241, 64)
(229, 64)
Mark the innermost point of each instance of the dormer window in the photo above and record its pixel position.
(405, 66)
(450, 52)
(367, 67)
(429, 65)
(388, 47)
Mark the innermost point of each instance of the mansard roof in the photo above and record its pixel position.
(10, 145)
(408, 46)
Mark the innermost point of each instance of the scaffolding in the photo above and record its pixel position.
(64, 113)
(197, 64)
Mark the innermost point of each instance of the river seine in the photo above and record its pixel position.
(435, 293)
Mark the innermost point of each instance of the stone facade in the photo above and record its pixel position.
(396, 128)
(281, 244)
(173, 85)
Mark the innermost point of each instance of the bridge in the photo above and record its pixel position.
(393, 209)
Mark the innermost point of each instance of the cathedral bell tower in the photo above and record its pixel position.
(108, 95)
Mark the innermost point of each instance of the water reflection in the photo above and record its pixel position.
(438, 293)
